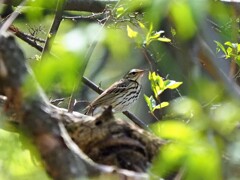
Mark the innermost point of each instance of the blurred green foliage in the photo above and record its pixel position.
(147, 35)
(16, 159)
(62, 73)
(34, 15)
(188, 151)
(202, 135)
(118, 50)
(199, 139)
(230, 50)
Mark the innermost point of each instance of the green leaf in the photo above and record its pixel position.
(228, 43)
(148, 40)
(131, 32)
(173, 84)
(142, 25)
(156, 35)
(150, 102)
(220, 46)
(150, 28)
(229, 52)
(238, 48)
(157, 83)
(153, 36)
(160, 106)
(120, 11)
(164, 39)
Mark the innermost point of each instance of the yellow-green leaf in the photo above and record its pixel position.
(157, 83)
(228, 43)
(164, 104)
(120, 11)
(151, 28)
(173, 84)
(150, 102)
(238, 47)
(141, 25)
(160, 106)
(156, 35)
(229, 52)
(164, 39)
(220, 46)
(131, 32)
(148, 39)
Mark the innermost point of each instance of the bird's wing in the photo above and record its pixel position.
(110, 93)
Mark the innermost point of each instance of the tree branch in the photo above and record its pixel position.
(54, 28)
(32, 41)
(76, 5)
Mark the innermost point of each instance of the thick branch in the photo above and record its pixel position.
(32, 41)
(76, 5)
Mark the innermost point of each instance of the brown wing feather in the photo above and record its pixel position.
(108, 95)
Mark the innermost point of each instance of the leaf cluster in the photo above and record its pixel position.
(158, 86)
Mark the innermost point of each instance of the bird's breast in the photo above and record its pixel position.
(128, 98)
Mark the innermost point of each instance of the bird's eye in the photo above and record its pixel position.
(133, 73)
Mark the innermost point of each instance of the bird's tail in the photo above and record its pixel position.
(88, 110)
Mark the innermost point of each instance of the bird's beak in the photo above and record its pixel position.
(141, 73)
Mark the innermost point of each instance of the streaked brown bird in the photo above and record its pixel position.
(120, 95)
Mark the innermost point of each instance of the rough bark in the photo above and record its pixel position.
(112, 141)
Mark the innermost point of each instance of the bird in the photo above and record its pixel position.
(120, 95)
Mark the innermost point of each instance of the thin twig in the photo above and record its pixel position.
(149, 58)
(131, 116)
(27, 38)
(55, 26)
(71, 101)
(93, 16)
(93, 86)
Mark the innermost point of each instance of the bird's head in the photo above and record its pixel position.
(134, 74)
